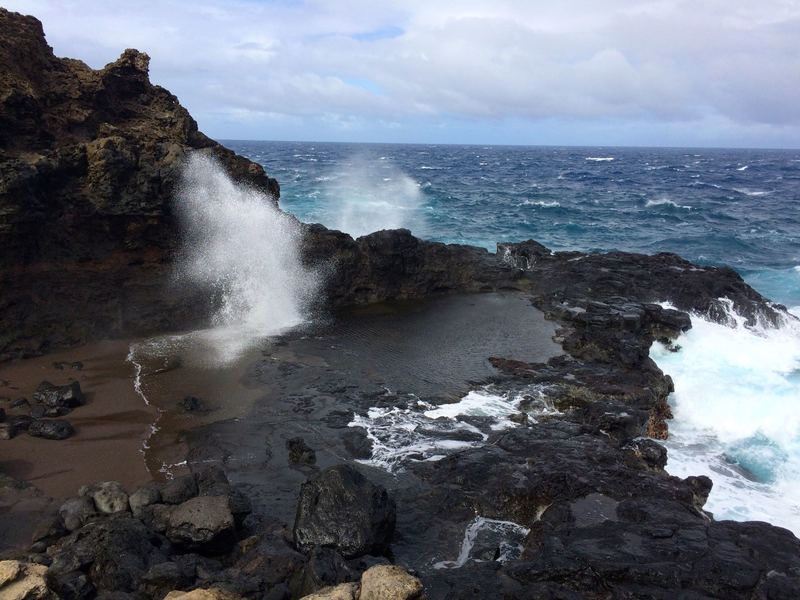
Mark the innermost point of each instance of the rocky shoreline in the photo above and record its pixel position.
(567, 499)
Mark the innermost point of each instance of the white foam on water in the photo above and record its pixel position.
(541, 203)
(512, 535)
(429, 432)
(247, 252)
(744, 168)
(600, 158)
(749, 192)
(665, 202)
(737, 416)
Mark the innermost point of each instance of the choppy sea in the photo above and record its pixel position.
(737, 396)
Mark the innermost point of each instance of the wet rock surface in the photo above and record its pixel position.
(577, 503)
(341, 508)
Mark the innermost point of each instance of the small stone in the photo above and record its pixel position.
(192, 404)
(299, 452)
(51, 429)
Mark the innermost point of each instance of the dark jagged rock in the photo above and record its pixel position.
(393, 264)
(51, 429)
(342, 509)
(299, 452)
(89, 160)
(58, 400)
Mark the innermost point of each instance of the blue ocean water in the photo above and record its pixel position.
(737, 389)
(712, 206)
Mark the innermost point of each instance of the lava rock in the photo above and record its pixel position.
(59, 399)
(179, 490)
(76, 512)
(299, 452)
(342, 509)
(203, 523)
(51, 429)
(109, 496)
(143, 496)
(192, 404)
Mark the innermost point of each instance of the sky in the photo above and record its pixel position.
(713, 73)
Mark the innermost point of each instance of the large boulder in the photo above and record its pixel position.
(342, 509)
(109, 554)
(203, 523)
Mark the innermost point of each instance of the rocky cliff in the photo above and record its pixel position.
(88, 163)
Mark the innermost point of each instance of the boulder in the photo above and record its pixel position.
(23, 581)
(109, 496)
(203, 523)
(59, 399)
(390, 582)
(105, 555)
(179, 490)
(51, 429)
(206, 594)
(144, 496)
(344, 591)
(342, 509)
(76, 512)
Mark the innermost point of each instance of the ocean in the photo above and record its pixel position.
(737, 389)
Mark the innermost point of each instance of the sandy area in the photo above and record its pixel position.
(110, 428)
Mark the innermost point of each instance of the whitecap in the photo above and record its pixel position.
(665, 202)
(744, 168)
(749, 192)
(540, 203)
(600, 158)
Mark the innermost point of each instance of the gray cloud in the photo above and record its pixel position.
(735, 63)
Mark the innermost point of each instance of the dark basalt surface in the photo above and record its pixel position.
(88, 162)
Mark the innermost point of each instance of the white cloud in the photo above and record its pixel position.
(358, 61)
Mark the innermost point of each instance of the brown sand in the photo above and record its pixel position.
(109, 429)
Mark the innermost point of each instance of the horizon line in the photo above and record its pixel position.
(621, 146)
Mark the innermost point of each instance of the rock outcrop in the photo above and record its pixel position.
(89, 160)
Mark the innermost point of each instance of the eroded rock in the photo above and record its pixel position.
(342, 509)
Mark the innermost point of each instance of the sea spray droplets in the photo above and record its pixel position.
(362, 199)
(244, 249)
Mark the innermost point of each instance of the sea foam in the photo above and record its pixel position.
(737, 416)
